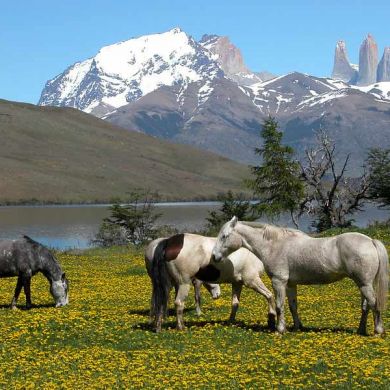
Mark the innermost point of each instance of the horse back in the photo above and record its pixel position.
(326, 260)
(17, 257)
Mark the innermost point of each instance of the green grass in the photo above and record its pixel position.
(103, 339)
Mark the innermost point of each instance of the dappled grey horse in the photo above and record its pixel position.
(291, 257)
(24, 258)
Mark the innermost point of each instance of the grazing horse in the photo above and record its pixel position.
(291, 257)
(185, 256)
(213, 289)
(25, 257)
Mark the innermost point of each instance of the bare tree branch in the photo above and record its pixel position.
(335, 199)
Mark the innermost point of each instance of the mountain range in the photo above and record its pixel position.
(201, 93)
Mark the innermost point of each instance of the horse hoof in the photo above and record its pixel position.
(280, 330)
(271, 322)
(14, 308)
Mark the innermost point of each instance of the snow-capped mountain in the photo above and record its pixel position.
(123, 72)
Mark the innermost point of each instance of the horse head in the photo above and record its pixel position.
(228, 241)
(59, 289)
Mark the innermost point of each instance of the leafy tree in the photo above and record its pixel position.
(378, 162)
(110, 235)
(232, 205)
(132, 223)
(277, 183)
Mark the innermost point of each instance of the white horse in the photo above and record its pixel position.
(186, 256)
(213, 288)
(291, 257)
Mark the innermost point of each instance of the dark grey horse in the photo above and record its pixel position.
(25, 257)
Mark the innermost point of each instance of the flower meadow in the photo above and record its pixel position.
(103, 340)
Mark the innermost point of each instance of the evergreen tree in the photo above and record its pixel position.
(276, 182)
(232, 205)
(133, 223)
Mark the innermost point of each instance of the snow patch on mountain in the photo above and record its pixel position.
(380, 90)
(321, 99)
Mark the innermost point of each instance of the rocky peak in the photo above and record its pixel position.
(228, 55)
(342, 69)
(383, 73)
(368, 61)
(229, 58)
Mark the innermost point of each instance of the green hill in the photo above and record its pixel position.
(63, 155)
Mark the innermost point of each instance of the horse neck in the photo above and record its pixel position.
(253, 241)
(50, 268)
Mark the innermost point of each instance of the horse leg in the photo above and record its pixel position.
(279, 287)
(258, 286)
(369, 294)
(236, 293)
(181, 296)
(197, 285)
(18, 289)
(363, 319)
(293, 305)
(27, 291)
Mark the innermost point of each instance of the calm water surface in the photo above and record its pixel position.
(74, 226)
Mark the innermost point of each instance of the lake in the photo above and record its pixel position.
(74, 226)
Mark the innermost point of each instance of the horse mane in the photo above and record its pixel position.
(37, 245)
(273, 232)
(31, 241)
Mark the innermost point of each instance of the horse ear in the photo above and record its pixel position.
(234, 221)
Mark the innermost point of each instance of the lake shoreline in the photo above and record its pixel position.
(75, 205)
(75, 225)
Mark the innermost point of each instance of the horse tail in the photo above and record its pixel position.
(161, 282)
(381, 282)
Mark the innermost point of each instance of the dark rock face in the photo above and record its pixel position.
(368, 61)
(228, 122)
(384, 66)
(342, 69)
(223, 120)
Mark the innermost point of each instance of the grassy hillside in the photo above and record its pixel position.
(63, 155)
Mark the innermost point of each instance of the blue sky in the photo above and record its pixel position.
(39, 39)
